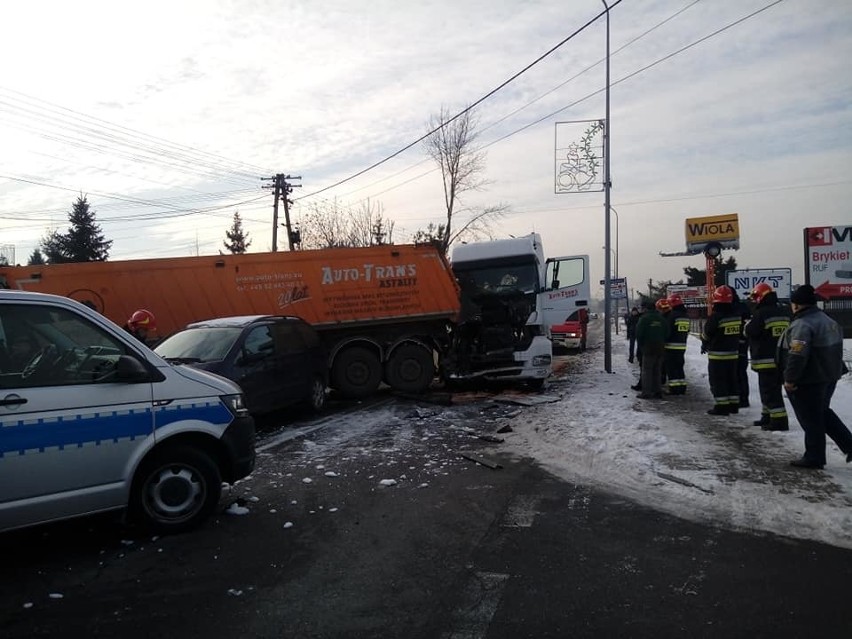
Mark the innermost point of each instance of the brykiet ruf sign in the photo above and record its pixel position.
(828, 261)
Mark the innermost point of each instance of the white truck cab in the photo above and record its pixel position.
(501, 333)
(92, 420)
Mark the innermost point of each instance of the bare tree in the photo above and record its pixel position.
(330, 224)
(369, 226)
(453, 148)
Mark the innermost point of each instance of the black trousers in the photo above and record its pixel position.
(769, 382)
(812, 405)
(631, 347)
(742, 378)
(652, 369)
(723, 383)
(674, 371)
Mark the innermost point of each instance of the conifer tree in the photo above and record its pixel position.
(36, 258)
(84, 241)
(237, 241)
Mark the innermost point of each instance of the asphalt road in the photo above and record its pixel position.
(454, 548)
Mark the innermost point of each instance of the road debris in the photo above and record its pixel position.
(481, 460)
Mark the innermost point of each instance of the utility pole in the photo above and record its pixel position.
(281, 191)
(607, 189)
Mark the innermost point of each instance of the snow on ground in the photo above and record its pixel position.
(672, 456)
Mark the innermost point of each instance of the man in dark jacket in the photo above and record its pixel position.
(651, 337)
(810, 357)
(676, 335)
(631, 320)
(720, 339)
(768, 323)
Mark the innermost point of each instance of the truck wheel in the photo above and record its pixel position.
(410, 369)
(357, 372)
(175, 490)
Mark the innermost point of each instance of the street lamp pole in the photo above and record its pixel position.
(617, 225)
(607, 185)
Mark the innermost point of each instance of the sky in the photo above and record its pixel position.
(168, 118)
(591, 429)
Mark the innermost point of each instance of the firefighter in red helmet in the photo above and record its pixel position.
(720, 340)
(141, 324)
(768, 322)
(676, 336)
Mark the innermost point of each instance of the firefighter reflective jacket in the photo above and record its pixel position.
(768, 323)
(722, 331)
(678, 329)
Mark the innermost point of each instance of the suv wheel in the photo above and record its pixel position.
(316, 400)
(175, 490)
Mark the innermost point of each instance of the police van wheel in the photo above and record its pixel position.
(175, 490)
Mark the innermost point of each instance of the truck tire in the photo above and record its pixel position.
(410, 369)
(357, 372)
(175, 490)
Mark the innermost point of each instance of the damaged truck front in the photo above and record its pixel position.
(499, 334)
(510, 297)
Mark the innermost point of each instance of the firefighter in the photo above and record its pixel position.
(720, 340)
(768, 322)
(676, 335)
(141, 325)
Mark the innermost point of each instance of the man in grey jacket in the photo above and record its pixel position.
(810, 356)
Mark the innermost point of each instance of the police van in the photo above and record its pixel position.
(91, 420)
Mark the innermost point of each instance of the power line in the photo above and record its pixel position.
(128, 136)
(582, 99)
(176, 212)
(471, 106)
(519, 109)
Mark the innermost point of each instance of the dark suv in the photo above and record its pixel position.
(276, 360)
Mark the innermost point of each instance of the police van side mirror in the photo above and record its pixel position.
(130, 369)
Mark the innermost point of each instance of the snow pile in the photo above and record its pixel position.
(672, 456)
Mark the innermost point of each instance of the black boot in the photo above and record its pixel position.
(779, 423)
(636, 386)
(763, 421)
(719, 410)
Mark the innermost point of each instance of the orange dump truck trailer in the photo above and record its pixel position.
(385, 313)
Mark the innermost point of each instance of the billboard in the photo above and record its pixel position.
(691, 295)
(828, 260)
(722, 229)
(617, 288)
(780, 279)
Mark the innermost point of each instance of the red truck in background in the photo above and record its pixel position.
(571, 334)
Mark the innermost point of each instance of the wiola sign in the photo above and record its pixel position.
(828, 260)
(721, 229)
